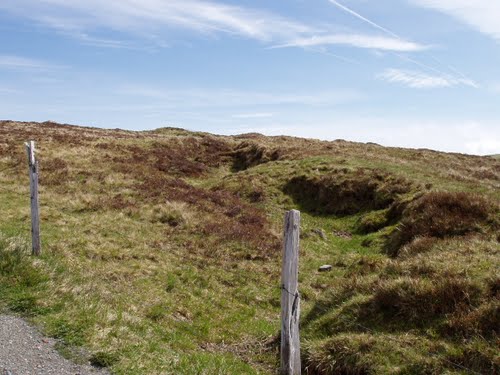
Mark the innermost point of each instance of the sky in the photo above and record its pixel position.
(409, 73)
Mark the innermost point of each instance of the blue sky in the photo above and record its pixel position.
(411, 73)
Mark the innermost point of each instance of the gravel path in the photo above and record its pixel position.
(24, 351)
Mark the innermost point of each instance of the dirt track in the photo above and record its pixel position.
(24, 351)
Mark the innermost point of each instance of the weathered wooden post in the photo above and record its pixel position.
(35, 217)
(290, 298)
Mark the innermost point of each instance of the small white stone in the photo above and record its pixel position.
(325, 268)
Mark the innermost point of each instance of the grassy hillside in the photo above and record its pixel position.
(162, 250)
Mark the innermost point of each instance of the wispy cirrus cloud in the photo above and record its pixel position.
(482, 15)
(152, 19)
(146, 16)
(357, 40)
(90, 40)
(11, 62)
(420, 80)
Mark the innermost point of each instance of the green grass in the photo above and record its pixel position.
(159, 257)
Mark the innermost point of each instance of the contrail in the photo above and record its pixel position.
(455, 70)
(357, 15)
(422, 65)
(467, 80)
(338, 57)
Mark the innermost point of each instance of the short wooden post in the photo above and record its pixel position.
(35, 217)
(290, 298)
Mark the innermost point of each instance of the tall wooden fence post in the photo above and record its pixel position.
(290, 298)
(35, 217)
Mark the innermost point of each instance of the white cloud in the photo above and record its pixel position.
(420, 80)
(102, 42)
(356, 40)
(22, 63)
(149, 16)
(483, 15)
(152, 19)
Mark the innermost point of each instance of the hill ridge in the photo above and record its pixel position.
(161, 251)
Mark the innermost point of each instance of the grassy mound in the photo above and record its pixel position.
(443, 214)
(417, 300)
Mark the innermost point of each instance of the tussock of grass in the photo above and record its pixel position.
(172, 213)
(484, 321)
(417, 246)
(419, 300)
(442, 214)
(342, 354)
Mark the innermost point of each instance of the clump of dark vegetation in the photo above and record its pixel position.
(346, 192)
(103, 359)
(190, 156)
(441, 215)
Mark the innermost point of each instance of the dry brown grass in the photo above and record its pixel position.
(348, 354)
(417, 246)
(484, 321)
